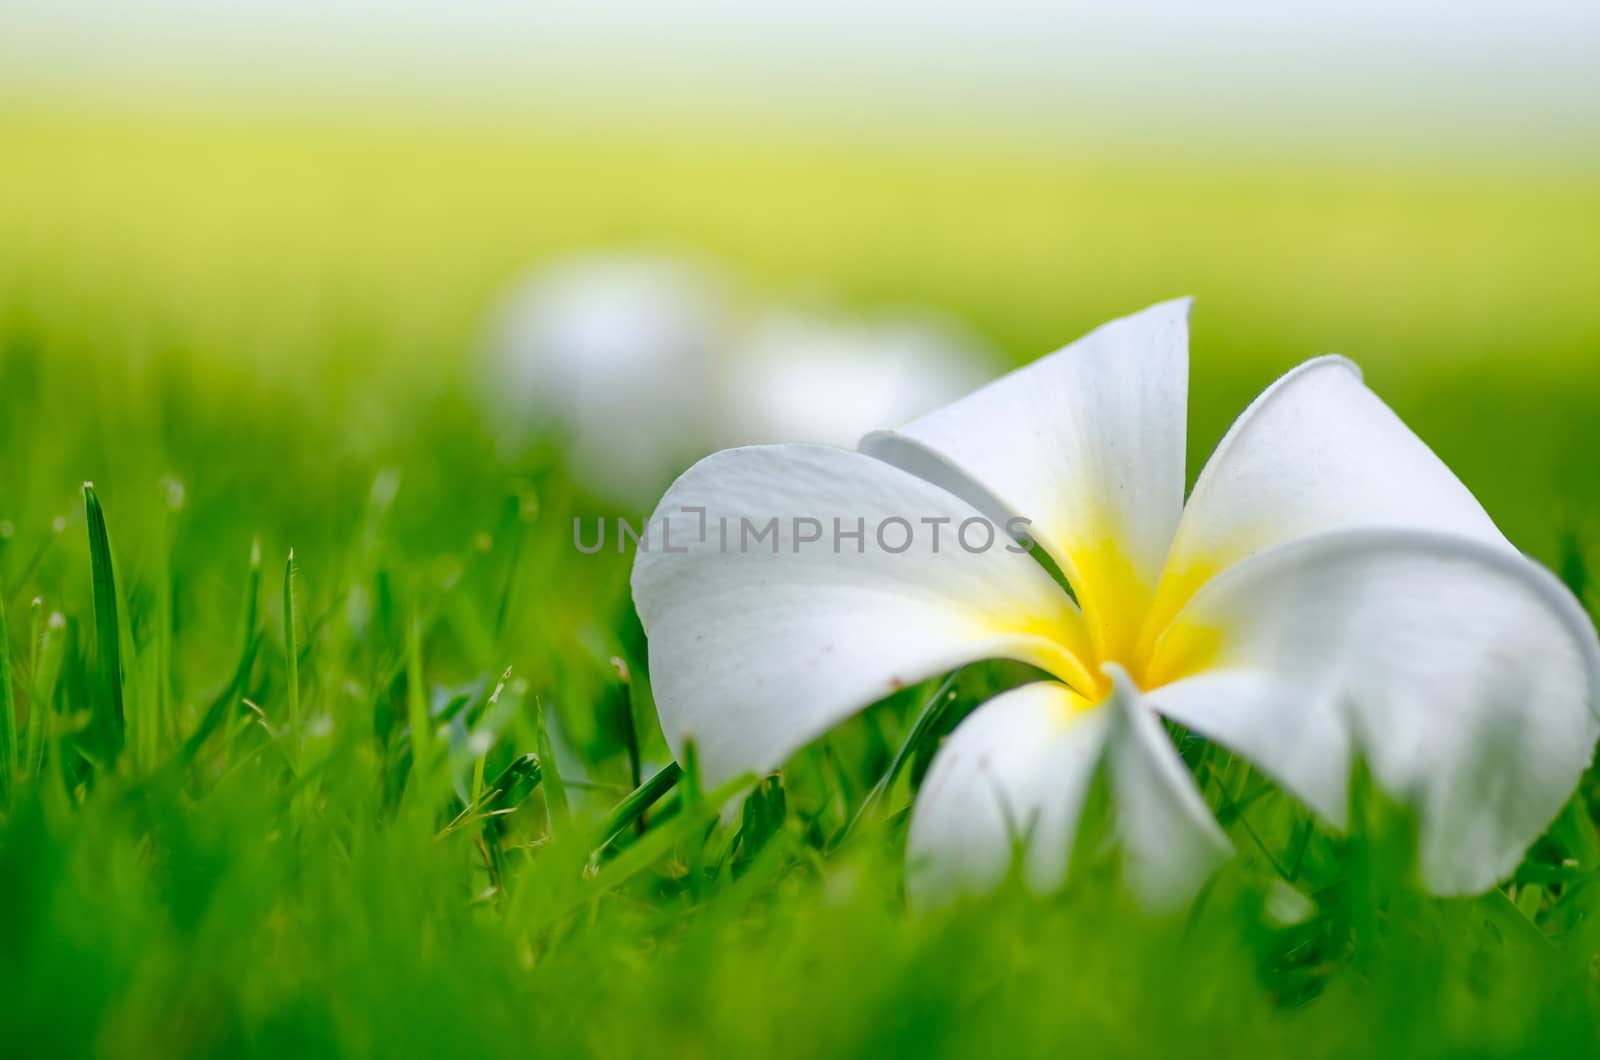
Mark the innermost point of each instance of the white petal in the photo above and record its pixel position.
(1088, 443)
(758, 649)
(1317, 451)
(1014, 775)
(1462, 672)
(1294, 735)
(1011, 777)
(1170, 841)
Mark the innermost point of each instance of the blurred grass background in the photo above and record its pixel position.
(354, 266)
(265, 330)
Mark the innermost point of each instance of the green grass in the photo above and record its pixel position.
(10, 757)
(323, 833)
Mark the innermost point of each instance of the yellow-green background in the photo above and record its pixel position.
(356, 262)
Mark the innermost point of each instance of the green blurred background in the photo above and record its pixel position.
(291, 224)
(328, 277)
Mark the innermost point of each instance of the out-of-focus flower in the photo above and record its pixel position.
(1330, 590)
(611, 354)
(641, 364)
(799, 377)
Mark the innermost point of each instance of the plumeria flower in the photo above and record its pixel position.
(612, 352)
(643, 362)
(1330, 590)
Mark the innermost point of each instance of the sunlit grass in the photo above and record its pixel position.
(228, 831)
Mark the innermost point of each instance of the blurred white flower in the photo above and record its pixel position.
(612, 355)
(640, 364)
(1329, 590)
(798, 377)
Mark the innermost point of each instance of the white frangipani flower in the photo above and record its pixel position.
(641, 363)
(1329, 590)
(613, 353)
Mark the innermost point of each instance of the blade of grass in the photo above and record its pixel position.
(509, 791)
(49, 661)
(520, 511)
(44, 663)
(1576, 832)
(637, 802)
(252, 596)
(165, 722)
(691, 799)
(108, 635)
(630, 728)
(400, 768)
(516, 782)
(217, 712)
(291, 645)
(661, 841)
(555, 789)
(932, 711)
(417, 713)
(513, 787)
(8, 715)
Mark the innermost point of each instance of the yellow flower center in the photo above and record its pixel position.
(1128, 621)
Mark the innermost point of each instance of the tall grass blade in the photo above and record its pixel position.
(659, 842)
(630, 727)
(38, 707)
(49, 652)
(932, 711)
(163, 727)
(555, 789)
(634, 805)
(228, 699)
(417, 715)
(111, 718)
(8, 715)
(252, 596)
(291, 644)
(225, 702)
